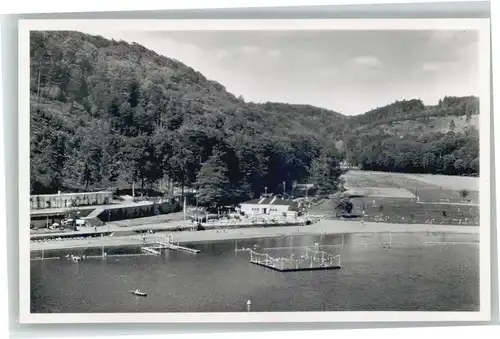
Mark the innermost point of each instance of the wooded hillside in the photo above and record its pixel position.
(106, 113)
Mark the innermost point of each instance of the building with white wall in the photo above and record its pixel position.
(269, 206)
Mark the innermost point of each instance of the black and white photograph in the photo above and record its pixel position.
(259, 170)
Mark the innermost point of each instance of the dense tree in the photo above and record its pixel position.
(344, 206)
(325, 172)
(433, 152)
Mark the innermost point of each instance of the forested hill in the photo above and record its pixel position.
(106, 113)
(407, 136)
(415, 109)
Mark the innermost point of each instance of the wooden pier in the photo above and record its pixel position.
(150, 250)
(166, 244)
(173, 247)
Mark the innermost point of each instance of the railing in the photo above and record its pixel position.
(310, 259)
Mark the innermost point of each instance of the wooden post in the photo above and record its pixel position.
(42, 253)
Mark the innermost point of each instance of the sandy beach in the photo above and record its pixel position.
(322, 227)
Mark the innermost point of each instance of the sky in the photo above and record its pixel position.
(350, 72)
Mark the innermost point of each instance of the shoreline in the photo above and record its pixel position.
(323, 227)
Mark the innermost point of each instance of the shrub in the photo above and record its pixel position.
(464, 194)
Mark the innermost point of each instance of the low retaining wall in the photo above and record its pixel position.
(132, 212)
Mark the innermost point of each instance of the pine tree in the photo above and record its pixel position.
(212, 183)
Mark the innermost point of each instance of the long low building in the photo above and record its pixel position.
(66, 200)
(270, 206)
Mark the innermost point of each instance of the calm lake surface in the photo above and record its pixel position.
(418, 272)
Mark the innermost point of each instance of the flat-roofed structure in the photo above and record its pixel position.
(67, 200)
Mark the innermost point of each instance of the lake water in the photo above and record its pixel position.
(418, 272)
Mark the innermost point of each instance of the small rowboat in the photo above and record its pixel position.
(139, 293)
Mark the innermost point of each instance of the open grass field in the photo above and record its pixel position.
(427, 187)
(396, 210)
(409, 198)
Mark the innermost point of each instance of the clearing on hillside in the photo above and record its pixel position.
(427, 187)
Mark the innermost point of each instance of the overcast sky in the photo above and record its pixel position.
(347, 71)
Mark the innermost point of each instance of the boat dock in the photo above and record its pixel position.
(150, 250)
(159, 244)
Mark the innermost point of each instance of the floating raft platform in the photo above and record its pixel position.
(312, 260)
(296, 269)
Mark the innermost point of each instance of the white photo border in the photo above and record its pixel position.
(480, 25)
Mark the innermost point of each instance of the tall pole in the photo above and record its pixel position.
(284, 188)
(184, 207)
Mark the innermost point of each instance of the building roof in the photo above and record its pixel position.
(70, 194)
